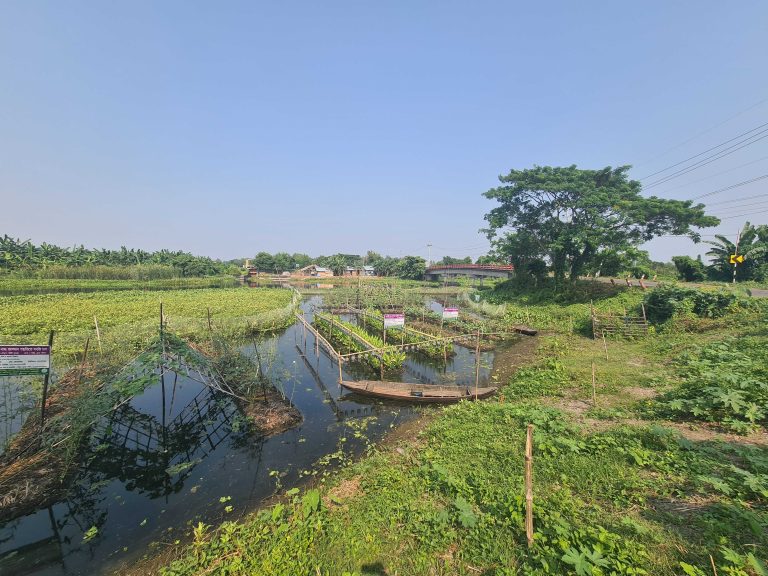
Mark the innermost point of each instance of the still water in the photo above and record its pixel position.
(168, 458)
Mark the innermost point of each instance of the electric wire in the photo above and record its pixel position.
(737, 199)
(731, 187)
(713, 158)
(705, 152)
(676, 146)
(715, 174)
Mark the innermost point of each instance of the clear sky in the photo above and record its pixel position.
(226, 128)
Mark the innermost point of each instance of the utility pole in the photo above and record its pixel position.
(736, 253)
(429, 257)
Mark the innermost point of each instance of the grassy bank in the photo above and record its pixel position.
(657, 469)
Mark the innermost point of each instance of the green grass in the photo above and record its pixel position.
(454, 504)
(613, 494)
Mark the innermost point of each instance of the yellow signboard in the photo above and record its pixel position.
(736, 259)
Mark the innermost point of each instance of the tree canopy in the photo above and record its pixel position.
(571, 217)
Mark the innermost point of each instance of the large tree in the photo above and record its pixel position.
(570, 216)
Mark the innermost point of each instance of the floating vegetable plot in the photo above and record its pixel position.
(351, 338)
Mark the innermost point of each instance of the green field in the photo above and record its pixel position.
(130, 317)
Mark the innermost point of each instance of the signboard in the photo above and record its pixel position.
(450, 313)
(734, 259)
(20, 359)
(394, 320)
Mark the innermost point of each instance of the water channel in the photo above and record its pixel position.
(180, 453)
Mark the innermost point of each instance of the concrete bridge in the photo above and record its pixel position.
(448, 271)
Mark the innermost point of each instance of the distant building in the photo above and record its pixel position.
(314, 271)
(363, 271)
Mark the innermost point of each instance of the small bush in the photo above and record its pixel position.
(664, 302)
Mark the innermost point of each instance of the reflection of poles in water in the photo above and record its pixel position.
(477, 363)
(318, 380)
(173, 392)
(262, 378)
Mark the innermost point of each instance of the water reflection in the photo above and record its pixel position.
(167, 457)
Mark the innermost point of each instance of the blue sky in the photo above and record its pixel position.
(228, 128)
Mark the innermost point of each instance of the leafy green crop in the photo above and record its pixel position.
(724, 382)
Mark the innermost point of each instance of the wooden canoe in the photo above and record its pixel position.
(422, 393)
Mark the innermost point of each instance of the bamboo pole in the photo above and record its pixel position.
(98, 333)
(340, 377)
(85, 359)
(209, 319)
(46, 380)
(529, 485)
(605, 345)
(594, 390)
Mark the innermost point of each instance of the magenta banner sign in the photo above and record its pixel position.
(20, 359)
(450, 313)
(394, 320)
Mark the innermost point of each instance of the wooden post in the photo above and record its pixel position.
(477, 363)
(645, 318)
(98, 333)
(85, 358)
(161, 319)
(340, 377)
(304, 326)
(594, 390)
(210, 328)
(605, 345)
(46, 380)
(529, 485)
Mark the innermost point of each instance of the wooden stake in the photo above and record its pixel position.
(605, 345)
(339, 359)
(594, 391)
(714, 568)
(210, 328)
(85, 358)
(46, 380)
(98, 333)
(477, 363)
(529, 485)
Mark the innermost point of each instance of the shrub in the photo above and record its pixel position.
(666, 301)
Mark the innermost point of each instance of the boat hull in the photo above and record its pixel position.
(419, 393)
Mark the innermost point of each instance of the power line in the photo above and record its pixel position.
(743, 215)
(740, 206)
(716, 174)
(738, 199)
(676, 146)
(705, 152)
(731, 187)
(709, 159)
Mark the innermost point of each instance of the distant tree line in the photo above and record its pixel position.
(407, 267)
(753, 245)
(24, 256)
